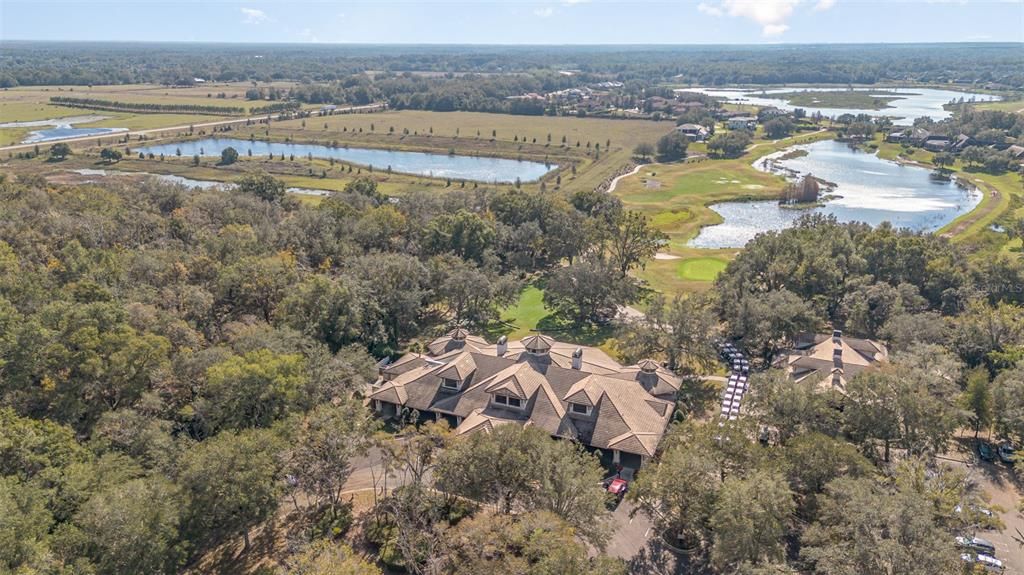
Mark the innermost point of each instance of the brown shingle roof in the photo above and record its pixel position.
(627, 414)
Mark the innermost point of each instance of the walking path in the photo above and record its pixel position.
(615, 182)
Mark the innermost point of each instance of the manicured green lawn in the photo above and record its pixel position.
(701, 269)
(529, 315)
(526, 313)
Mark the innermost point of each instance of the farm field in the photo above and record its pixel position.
(202, 94)
(25, 104)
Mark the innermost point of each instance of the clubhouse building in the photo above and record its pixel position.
(572, 392)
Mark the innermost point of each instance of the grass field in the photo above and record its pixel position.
(856, 99)
(1004, 106)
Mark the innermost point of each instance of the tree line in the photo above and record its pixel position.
(29, 63)
(148, 108)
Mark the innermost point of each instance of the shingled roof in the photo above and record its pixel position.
(629, 407)
(831, 360)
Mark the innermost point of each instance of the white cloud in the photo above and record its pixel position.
(774, 29)
(307, 35)
(570, 2)
(545, 12)
(771, 15)
(710, 9)
(254, 16)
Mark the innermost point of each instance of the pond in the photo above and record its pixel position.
(482, 169)
(912, 103)
(868, 189)
(189, 182)
(61, 128)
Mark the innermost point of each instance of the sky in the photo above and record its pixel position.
(516, 21)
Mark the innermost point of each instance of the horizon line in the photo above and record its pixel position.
(519, 44)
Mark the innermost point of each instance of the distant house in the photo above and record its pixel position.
(961, 142)
(328, 108)
(765, 114)
(572, 392)
(1016, 152)
(742, 123)
(831, 361)
(897, 136)
(918, 136)
(694, 132)
(936, 143)
(527, 96)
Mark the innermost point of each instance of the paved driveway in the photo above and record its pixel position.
(1003, 486)
(636, 542)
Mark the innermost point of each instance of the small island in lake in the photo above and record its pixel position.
(805, 193)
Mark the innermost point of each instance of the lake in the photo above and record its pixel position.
(913, 103)
(482, 169)
(868, 189)
(61, 128)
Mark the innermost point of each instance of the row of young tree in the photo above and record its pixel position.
(149, 108)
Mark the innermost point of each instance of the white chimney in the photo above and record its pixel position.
(502, 346)
(577, 358)
(837, 336)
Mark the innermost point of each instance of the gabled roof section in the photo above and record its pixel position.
(390, 393)
(584, 392)
(459, 368)
(518, 381)
(478, 421)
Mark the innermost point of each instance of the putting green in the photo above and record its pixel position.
(701, 269)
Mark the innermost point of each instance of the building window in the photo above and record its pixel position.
(580, 409)
(450, 383)
(508, 401)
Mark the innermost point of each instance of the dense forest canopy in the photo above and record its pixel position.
(47, 63)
